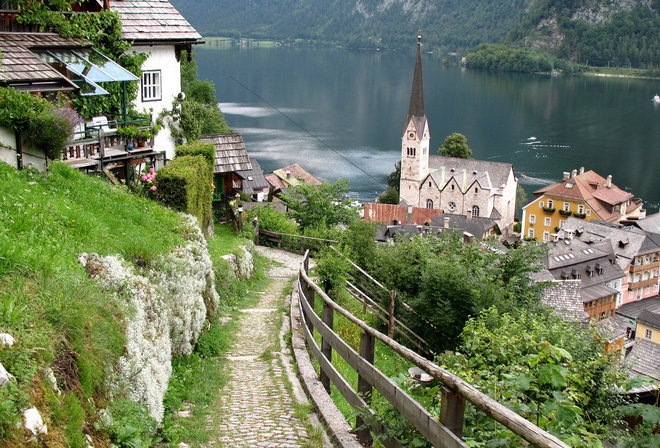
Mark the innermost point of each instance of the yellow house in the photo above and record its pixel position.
(648, 326)
(585, 195)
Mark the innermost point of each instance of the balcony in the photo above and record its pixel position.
(106, 141)
(643, 283)
(644, 267)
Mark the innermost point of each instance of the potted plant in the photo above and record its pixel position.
(135, 136)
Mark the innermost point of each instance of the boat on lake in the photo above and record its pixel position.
(656, 99)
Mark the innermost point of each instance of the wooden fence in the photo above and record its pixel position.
(447, 431)
(302, 243)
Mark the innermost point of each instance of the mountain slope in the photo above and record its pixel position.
(448, 24)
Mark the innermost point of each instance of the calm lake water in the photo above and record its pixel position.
(340, 114)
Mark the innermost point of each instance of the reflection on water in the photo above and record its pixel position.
(354, 104)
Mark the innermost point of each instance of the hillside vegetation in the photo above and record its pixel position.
(392, 24)
(83, 267)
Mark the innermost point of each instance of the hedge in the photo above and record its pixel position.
(197, 148)
(186, 184)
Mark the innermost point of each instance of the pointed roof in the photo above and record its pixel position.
(416, 109)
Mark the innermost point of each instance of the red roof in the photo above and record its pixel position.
(387, 213)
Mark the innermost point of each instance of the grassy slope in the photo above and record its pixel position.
(58, 316)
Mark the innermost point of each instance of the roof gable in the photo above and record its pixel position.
(153, 21)
(467, 171)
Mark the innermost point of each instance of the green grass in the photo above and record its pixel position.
(57, 315)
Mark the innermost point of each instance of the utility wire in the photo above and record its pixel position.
(293, 121)
(236, 80)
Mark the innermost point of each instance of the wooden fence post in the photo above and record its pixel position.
(308, 293)
(326, 348)
(367, 350)
(390, 325)
(452, 411)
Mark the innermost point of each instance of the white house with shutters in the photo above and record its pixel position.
(157, 28)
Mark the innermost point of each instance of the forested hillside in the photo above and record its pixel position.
(448, 24)
(619, 33)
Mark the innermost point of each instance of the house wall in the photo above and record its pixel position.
(163, 58)
(642, 277)
(601, 309)
(535, 208)
(641, 333)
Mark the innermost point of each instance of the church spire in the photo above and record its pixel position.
(416, 109)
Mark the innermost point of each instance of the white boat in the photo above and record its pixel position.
(656, 99)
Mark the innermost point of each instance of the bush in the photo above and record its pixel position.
(186, 184)
(197, 148)
(52, 130)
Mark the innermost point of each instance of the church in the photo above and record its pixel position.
(468, 187)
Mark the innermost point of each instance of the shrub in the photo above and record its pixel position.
(197, 148)
(52, 130)
(186, 184)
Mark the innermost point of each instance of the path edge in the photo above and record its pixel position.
(338, 427)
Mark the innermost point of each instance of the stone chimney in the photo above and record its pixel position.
(574, 173)
(567, 175)
(288, 174)
(609, 181)
(581, 170)
(446, 222)
(469, 214)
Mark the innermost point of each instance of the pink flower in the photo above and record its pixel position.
(144, 177)
(151, 170)
(153, 188)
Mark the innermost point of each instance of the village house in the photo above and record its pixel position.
(468, 187)
(643, 353)
(289, 176)
(584, 195)
(636, 251)
(46, 63)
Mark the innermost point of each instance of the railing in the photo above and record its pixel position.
(95, 139)
(644, 267)
(447, 431)
(301, 242)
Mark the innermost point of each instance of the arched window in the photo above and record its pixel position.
(475, 211)
(429, 203)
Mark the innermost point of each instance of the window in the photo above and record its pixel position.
(648, 333)
(429, 184)
(429, 203)
(475, 211)
(567, 206)
(561, 224)
(151, 82)
(550, 203)
(540, 203)
(452, 187)
(547, 222)
(411, 151)
(580, 208)
(532, 219)
(648, 289)
(588, 212)
(530, 233)
(476, 190)
(546, 236)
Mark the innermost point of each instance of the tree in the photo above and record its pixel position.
(319, 206)
(390, 196)
(394, 178)
(521, 199)
(455, 146)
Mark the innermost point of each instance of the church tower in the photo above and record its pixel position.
(415, 139)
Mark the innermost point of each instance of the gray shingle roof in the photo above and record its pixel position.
(632, 310)
(564, 297)
(644, 359)
(478, 227)
(19, 64)
(649, 319)
(651, 223)
(467, 171)
(230, 153)
(153, 21)
(610, 329)
(253, 179)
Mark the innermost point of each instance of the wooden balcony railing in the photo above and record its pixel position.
(644, 267)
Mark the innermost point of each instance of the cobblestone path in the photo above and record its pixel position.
(256, 409)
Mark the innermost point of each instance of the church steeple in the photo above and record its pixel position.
(417, 96)
(415, 139)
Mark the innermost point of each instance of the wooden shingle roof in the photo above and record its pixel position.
(153, 21)
(20, 64)
(230, 153)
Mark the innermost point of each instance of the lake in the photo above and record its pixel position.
(340, 114)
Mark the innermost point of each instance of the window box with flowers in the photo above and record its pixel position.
(580, 215)
(565, 212)
(550, 210)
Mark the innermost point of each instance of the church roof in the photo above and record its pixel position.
(416, 109)
(466, 171)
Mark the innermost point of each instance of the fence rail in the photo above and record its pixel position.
(447, 431)
(302, 242)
